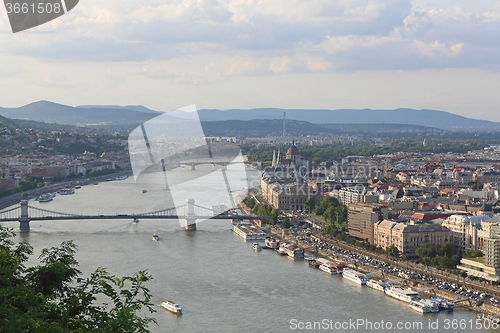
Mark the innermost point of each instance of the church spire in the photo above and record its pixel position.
(274, 159)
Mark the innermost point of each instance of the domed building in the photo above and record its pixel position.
(293, 153)
(295, 164)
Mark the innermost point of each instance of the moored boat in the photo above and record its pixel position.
(328, 269)
(172, 307)
(405, 295)
(420, 306)
(66, 191)
(256, 246)
(377, 285)
(45, 198)
(272, 243)
(313, 263)
(155, 237)
(444, 305)
(433, 306)
(355, 276)
(281, 252)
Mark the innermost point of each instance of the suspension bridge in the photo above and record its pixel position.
(189, 212)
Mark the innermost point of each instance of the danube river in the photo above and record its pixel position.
(220, 282)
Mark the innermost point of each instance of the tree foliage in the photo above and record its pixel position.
(50, 297)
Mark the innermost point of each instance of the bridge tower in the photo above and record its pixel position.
(24, 220)
(190, 215)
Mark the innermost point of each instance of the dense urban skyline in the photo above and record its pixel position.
(235, 54)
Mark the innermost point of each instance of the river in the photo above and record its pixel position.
(220, 282)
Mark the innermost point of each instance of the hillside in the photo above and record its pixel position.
(68, 115)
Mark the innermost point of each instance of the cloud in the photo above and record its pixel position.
(262, 37)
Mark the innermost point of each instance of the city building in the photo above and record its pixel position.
(408, 237)
(361, 218)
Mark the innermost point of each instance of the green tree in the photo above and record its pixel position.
(310, 204)
(50, 297)
(447, 248)
(392, 251)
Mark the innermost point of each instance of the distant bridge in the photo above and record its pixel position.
(193, 164)
(190, 212)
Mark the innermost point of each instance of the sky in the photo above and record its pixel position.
(225, 54)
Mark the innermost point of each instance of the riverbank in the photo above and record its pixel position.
(33, 194)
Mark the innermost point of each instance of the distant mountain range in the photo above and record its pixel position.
(128, 117)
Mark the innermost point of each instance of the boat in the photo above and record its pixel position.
(45, 198)
(66, 191)
(256, 246)
(135, 221)
(405, 295)
(328, 269)
(172, 307)
(109, 179)
(313, 263)
(443, 305)
(78, 187)
(281, 252)
(377, 285)
(96, 183)
(155, 237)
(434, 306)
(272, 243)
(355, 276)
(144, 191)
(420, 306)
(292, 250)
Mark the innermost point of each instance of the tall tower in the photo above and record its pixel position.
(284, 120)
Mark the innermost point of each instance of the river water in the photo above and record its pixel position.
(220, 282)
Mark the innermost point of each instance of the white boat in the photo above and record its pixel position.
(329, 269)
(355, 276)
(66, 191)
(420, 306)
(434, 306)
(272, 243)
(377, 285)
(155, 237)
(405, 295)
(78, 187)
(172, 307)
(45, 198)
(292, 250)
(256, 246)
(448, 306)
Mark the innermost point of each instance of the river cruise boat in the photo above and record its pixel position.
(256, 247)
(405, 295)
(329, 269)
(249, 232)
(66, 191)
(420, 306)
(155, 237)
(272, 243)
(172, 307)
(377, 285)
(434, 306)
(355, 276)
(443, 305)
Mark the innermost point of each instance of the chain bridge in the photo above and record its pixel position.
(190, 212)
